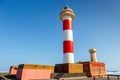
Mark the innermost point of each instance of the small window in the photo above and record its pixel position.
(86, 69)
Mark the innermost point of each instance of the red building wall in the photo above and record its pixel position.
(94, 69)
(33, 72)
(98, 69)
(19, 74)
(26, 74)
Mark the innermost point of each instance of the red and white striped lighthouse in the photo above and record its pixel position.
(67, 15)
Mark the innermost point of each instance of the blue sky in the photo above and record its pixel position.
(31, 31)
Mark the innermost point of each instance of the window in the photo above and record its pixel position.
(86, 69)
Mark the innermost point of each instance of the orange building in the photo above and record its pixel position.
(33, 72)
(94, 69)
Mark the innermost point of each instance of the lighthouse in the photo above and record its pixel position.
(66, 16)
(68, 66)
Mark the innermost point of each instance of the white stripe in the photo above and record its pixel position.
(68, 57)
(68, 35)
(67, 17)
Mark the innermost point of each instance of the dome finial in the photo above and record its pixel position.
(67, 12)
(66, 7)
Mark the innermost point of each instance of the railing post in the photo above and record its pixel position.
(108, 77)
(118, 77)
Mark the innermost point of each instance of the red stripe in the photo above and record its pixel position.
(68, 47)
(67, 25)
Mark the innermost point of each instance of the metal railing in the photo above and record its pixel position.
(113, 76)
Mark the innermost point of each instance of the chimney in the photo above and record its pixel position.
(93, 55)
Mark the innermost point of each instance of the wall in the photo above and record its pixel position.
(34, 74)
(32, 71)
(13, 70)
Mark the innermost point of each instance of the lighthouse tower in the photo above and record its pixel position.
(67, 15)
